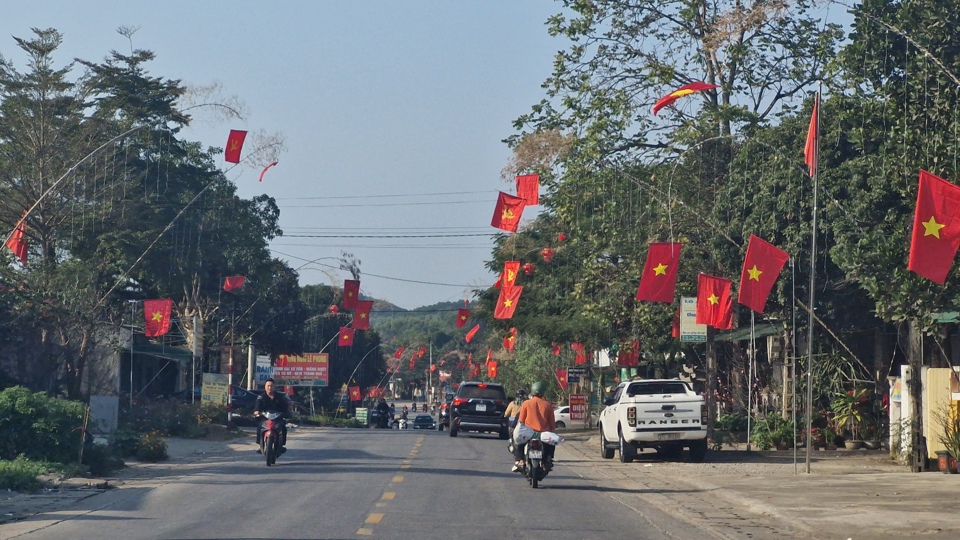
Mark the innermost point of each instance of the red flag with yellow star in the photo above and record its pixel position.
(355, 393)
(562, 378)
(685, 90)
(351, 293)
(473, 331)
(555, 348)
(507, 302)
(492, 369)
(18, 240)
(510, 340)
(659, 279)
(156, 314)
(936, 228)
(462, 316)
(361, 318)
(346, 336)
(399, 353)
(506, 216)
(714, 305)
(761, 267)
(581, 357)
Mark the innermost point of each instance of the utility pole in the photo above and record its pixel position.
(196, 354)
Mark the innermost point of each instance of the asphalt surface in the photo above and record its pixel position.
(424, 484)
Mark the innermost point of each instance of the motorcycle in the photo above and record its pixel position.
(270, 436)
(403, 423)
(535, 464)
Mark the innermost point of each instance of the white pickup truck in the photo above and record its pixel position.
(664, 414)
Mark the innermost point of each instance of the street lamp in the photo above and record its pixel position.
(350, 378)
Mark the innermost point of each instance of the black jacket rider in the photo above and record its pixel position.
(278, 404)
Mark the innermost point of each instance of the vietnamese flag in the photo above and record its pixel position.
(761, 267)
(399, 353)
(507, 302)
(506, 216)
(528, 189)
(231, 153)
(629, 355)
(473, 331)
(361, 318)
(509, 275)
(581, 357)
(492, 369)
(233, 282)
(555, 347)
(355, 393)
(562, 378)
(936, 228)
(659, 279)
(413, 361)
(510, 340)
(462, 316)
(675, 330)
(156, 314)
(684, 90)
(811, 150)
(421, 352)
(714, 305)
(351, 293)
(18, 240)
(346, 336)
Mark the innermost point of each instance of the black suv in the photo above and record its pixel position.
(479, 406)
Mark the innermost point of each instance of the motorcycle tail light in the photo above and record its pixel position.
(632, 416)
(269, 424)
(535, 444)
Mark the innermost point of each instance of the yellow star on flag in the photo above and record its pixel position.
(507, 303)
(363, 315)
(932, 228)
(713, 299)
(754, 273)
(157, 316)
(660, 270)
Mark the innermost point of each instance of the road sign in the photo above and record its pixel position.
(689, 329)
(578, 407)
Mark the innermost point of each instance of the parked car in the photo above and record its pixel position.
(479, 406)
(562, 416)
(424, 421)
(241, 397)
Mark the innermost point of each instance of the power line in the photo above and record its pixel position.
(431, 203)
(434, 194)
(450, 235)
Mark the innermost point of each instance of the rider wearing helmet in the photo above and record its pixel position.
(513, 409)
(537, 414)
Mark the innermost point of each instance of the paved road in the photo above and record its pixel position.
(350, 484)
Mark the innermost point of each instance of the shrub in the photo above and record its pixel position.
(152, 447)
(733, 422)
(21, 474)
(39, 427)
(101, 460)
(168, 417)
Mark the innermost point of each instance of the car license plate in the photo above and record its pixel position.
(535, 454)
(668, 436)
(481, 407)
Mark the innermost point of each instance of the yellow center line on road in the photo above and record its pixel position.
(404, 467)
(388, 496)
(363, 531)
(374, 518)
(397, 479)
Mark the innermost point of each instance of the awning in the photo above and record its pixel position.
(743, 334)
(164, 351)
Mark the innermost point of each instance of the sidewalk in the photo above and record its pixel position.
(848, 494)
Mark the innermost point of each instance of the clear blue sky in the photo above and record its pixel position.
(384, 106)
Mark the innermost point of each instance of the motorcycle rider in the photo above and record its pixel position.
(271, 401)
(513, 409)
(537, 414)
(382, 411)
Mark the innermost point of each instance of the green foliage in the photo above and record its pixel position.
(330, 421)
(771, 431)
(732, 422)
(167, 417)
(847, 410)
(947, 418)
(39, 427)
(101, 460)
(152, 447)
(21, 474)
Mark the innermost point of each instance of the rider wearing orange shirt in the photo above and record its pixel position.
(537, 414)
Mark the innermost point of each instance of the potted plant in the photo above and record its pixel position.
(948, 418)
(847, 415)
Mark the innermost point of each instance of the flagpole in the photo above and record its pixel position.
(750, 378)
(813, 266)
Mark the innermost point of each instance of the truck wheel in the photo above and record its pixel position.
(698, 451)
(605, 451)
(627, 452)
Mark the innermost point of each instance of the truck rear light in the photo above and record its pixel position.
(632, 416)
(703, 414)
